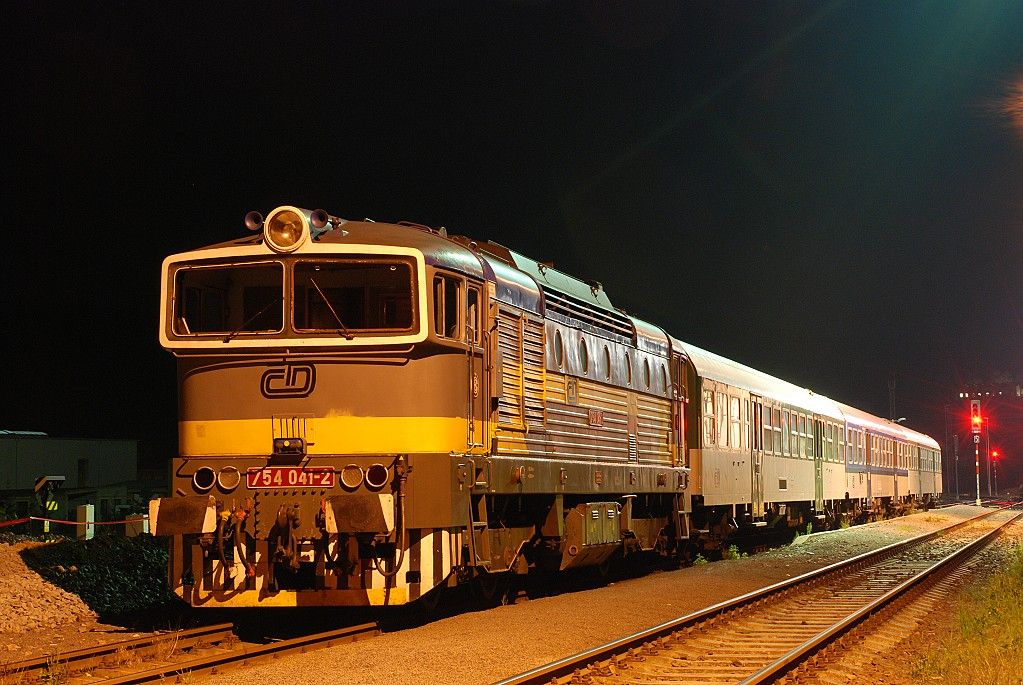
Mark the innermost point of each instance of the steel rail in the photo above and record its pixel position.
(568, 665)
(88, 665)
(247, 652)
(104, 655)
(796, 655)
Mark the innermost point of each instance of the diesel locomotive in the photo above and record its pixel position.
(369, 412)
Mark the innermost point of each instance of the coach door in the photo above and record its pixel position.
(757, 456)
(818, 464)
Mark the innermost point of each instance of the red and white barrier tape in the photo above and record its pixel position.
(15, 522)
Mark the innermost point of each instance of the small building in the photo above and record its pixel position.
(100, 472)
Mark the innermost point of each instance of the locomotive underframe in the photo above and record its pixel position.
(267, 547)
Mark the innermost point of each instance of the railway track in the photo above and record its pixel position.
(168, 656)
(760, 636)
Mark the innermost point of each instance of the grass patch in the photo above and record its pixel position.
(986, 645)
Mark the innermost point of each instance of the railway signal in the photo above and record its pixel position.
(976, 419)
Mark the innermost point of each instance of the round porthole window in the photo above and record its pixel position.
(559, 350)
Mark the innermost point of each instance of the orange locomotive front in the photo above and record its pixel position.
(364, 417)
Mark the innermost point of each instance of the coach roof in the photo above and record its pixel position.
(715, 367)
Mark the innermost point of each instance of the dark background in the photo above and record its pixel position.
(827, 191)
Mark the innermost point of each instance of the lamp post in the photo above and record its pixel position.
(955, 451)
(995, 457)
(987, 442)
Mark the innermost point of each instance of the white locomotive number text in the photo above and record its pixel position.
(290, 477)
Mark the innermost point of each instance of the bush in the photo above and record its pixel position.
(112, 575)
(731, 553)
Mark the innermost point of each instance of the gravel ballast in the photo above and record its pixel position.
(487, 646)
(37, 617)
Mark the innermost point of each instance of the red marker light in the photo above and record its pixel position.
(976, 419)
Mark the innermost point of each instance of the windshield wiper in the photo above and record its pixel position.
(343, 331)
(230, 336)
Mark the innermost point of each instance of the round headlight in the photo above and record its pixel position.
(351, 476)
(376, 476)
(229, 478)
(285, 229)
(203, 478)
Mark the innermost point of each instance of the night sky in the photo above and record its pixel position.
(827, 191)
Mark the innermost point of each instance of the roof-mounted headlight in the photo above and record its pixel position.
(286, 228)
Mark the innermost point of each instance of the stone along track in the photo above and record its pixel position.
(168, 656)
(759, 636)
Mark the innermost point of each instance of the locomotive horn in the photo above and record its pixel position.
(253, 221)
(318, 218)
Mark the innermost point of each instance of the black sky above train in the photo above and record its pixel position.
(828, 191)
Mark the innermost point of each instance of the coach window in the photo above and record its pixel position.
(811, 442)
(708, 418)
(607, 363)
(746, 427)
(785, 432)
(584, 356)
(768, 431)
(722, 405)
(445, 306)
(799, 426)
(733, 416)
(777, 430)
(559, 350)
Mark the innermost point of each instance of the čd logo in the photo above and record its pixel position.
(293, 380)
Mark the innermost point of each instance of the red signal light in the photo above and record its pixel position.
(975, 417)
(994, 455)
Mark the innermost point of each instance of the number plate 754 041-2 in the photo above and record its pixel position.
(291, 477)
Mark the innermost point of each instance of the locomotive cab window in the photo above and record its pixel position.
(445, 306)
(472, 313)
(246, 298)
(352, 296)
